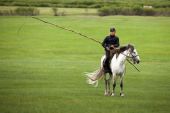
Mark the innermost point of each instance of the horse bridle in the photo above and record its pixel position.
(129, 56)
(130, 61)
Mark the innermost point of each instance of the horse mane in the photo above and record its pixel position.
(124, 48)
(121, 49)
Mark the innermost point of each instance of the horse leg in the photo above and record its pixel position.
(110, 77)
(121, 86)
(105, 92)
(114, 85)
(107, 79)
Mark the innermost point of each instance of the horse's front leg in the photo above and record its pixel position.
(109, 80)
(114, 84)
(121, 86)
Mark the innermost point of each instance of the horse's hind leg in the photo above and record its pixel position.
(107, 79)
(106, 88)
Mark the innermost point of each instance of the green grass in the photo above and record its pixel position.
(41, 67)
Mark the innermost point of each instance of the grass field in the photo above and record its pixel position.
(41, 67)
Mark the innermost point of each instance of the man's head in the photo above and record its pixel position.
(112, 31)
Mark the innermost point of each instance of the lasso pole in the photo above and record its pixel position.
(61, 27)
(78, 34)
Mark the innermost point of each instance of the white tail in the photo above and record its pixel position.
(92, 78)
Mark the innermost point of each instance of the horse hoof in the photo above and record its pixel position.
(112, 94)
(122, 94)
(105, 94)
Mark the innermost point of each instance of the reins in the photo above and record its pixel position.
(131, 62)
(129, 56)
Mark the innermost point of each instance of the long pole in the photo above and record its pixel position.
(68, 30)
(78, 34)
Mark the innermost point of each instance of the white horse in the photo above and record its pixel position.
(117, 66)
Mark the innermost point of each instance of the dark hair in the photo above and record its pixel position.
(112, 29)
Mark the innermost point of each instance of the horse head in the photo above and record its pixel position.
(133, 54)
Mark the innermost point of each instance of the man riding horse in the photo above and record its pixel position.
(113, 62)
(110, 43)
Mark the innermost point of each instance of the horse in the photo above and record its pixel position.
(118, 68)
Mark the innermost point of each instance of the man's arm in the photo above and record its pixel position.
(104, 42)
(117, 43)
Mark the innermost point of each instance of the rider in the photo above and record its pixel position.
(109, 43)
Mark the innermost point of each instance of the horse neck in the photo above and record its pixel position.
(122, 57)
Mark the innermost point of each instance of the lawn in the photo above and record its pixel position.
(42, 67)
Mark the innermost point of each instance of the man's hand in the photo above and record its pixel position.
(107, 48)
(112, 46)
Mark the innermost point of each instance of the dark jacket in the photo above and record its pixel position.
(110, 40)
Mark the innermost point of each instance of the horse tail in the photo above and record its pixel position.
(93, 77)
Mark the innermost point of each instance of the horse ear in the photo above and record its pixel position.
(130, 46)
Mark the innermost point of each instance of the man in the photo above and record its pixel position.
(110, 42)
